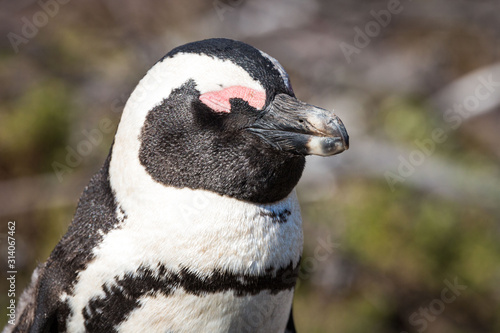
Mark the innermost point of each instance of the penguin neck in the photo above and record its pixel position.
(173, 219)
(266, 184)
(244, 174)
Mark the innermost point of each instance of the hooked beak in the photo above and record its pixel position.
(300, 128)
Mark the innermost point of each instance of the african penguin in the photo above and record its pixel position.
(192, 224)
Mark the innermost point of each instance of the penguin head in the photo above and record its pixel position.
(221, 115)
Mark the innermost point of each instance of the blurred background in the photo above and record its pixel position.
(401, 231)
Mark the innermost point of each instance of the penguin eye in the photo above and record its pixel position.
(219, 100)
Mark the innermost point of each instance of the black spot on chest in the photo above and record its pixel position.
(277, 217)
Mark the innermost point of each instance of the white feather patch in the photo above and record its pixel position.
(221, 312)
(281, 70)
(200, 230)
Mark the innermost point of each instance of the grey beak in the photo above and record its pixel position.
(301, 128)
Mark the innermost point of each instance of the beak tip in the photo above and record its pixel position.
(343, 132)
(346, 139)
(326, 146)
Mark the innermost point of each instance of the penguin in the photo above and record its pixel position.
(193, 223)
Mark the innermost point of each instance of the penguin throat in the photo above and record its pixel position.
(262, 178)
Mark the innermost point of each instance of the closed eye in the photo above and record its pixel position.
(219, 100)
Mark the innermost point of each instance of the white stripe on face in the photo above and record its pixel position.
(281, 70)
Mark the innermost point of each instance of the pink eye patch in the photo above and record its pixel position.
(219, 100)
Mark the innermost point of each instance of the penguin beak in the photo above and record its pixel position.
(300, 128)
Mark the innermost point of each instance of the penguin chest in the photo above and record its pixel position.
(213, 264)
(218, 312)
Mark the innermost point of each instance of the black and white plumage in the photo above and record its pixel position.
(192, 224)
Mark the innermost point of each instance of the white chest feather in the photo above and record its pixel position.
(216, 313)
(201, 232)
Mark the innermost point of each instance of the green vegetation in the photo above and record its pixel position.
(403, 245)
